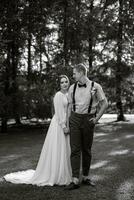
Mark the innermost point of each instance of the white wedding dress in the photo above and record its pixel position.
(54, 166)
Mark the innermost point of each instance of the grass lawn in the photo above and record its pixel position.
(112, 164)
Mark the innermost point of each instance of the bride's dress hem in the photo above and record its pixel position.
(54, 165)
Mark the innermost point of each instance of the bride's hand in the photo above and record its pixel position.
(66, 130)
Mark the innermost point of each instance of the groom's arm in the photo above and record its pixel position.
(69, 113)
(103, 106)
(69, 105)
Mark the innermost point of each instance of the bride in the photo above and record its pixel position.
(54, 166)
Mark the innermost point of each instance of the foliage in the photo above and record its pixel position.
(39, 40)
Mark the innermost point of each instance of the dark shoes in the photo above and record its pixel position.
(72, 186)
(88, 182)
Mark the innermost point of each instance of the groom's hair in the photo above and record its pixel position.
(81, 68)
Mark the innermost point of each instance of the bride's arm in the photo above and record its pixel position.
(59, 110)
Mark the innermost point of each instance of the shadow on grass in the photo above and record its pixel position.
(112, 164)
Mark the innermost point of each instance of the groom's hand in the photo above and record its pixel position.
(93, 120)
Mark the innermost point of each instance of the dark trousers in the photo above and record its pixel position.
(81, 139)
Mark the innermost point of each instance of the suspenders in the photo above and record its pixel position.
(74, 96)
(91, 101)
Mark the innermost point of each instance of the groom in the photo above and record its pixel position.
(85, 97)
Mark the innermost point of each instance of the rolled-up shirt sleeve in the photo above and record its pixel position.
(100, 93)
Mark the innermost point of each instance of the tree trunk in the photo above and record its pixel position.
(65, 48)
(78, 32)
(40, 55)
(15, 100)
(29, 59)
(90, 36)
(120, 116)
(4, 125)
(6, 89)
